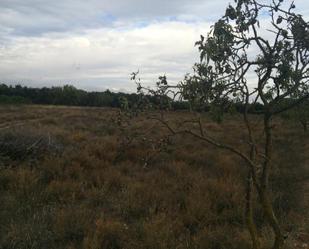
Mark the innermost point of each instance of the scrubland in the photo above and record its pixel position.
(76, 178)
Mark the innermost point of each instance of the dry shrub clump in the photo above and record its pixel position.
(27, 144)
(85, 184)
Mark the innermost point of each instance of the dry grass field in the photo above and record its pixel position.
(74, 178)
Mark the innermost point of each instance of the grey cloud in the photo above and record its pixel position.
(104, 57)
(95, 44)
(35, 17)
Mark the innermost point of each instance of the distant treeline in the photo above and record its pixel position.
(65, 95)
(71, 96)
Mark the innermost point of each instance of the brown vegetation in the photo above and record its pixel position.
(79, 180)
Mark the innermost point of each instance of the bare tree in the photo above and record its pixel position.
(256, 53)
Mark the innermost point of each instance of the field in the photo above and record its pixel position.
(78, 178)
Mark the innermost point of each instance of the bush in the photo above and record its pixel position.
(13, 100)
(26, 144)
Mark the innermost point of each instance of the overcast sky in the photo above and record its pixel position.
(96, 44)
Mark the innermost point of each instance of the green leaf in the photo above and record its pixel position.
(279, 20)
(284, 33)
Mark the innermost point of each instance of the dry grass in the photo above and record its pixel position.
(84, 186)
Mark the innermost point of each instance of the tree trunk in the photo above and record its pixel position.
(250, 213)
(264, 190)
(272, 220)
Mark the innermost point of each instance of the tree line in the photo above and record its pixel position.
(71, 96)
(61, 95)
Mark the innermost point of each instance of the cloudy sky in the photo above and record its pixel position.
(96, 44)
